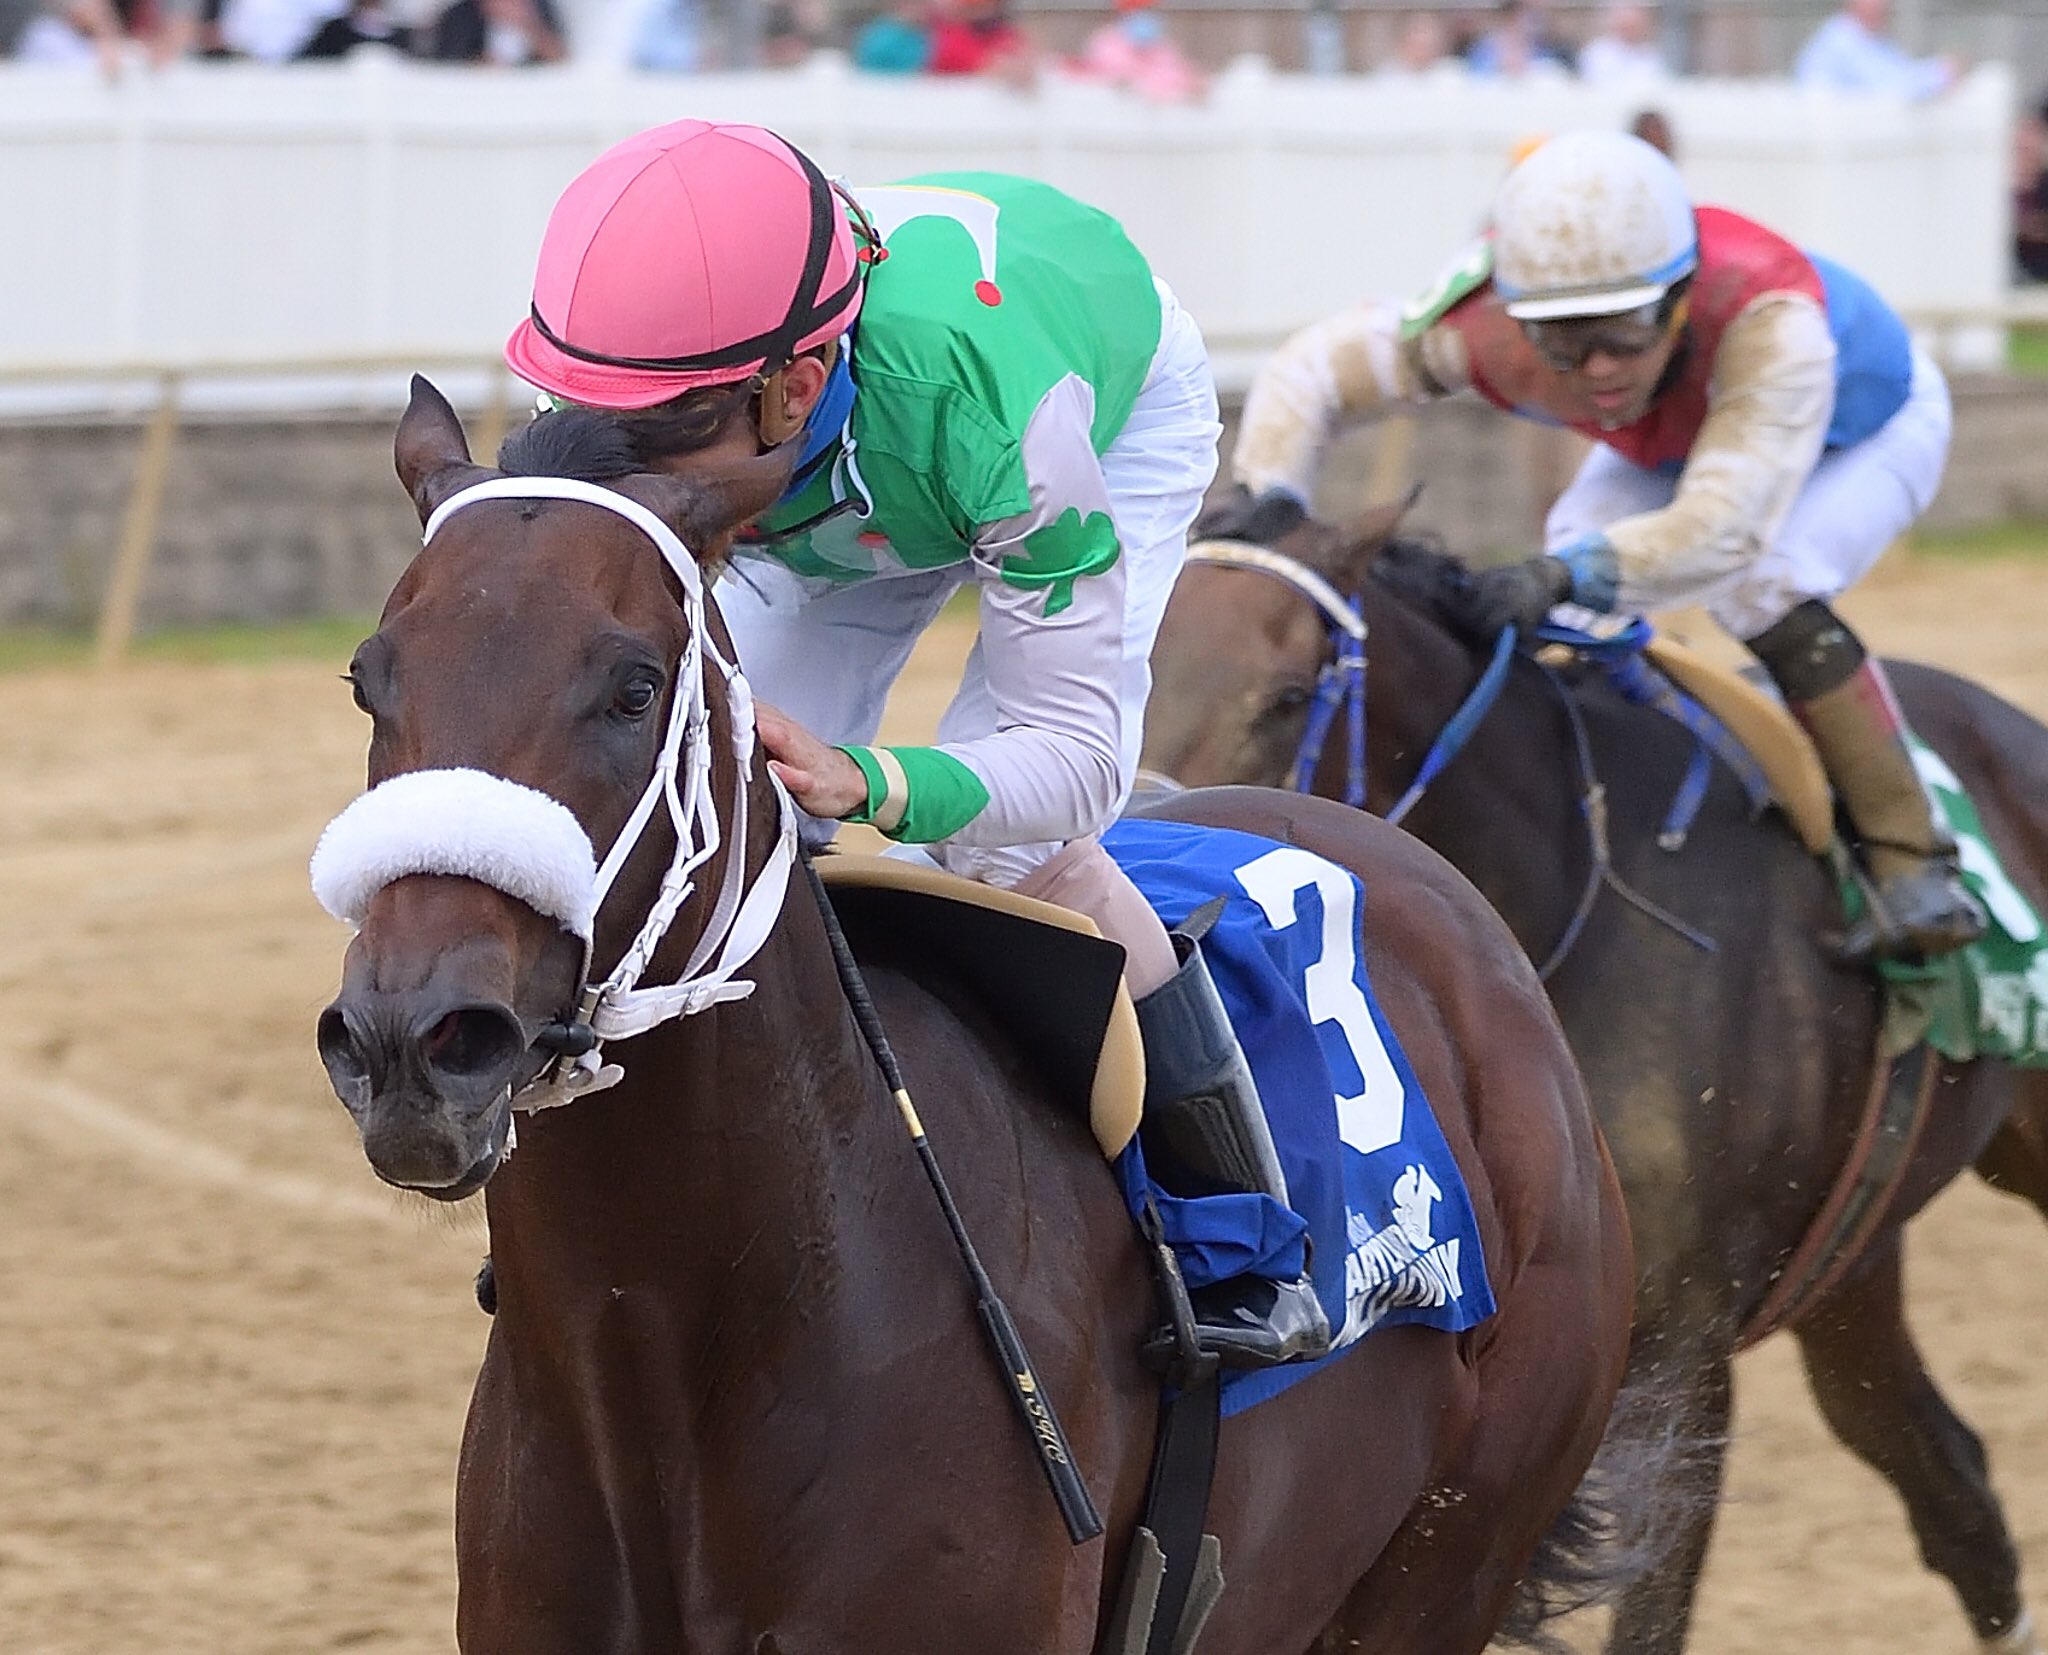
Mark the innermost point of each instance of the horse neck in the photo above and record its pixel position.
(1505, 811)
(704, 1178)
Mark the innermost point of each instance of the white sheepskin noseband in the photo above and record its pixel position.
(463, 822)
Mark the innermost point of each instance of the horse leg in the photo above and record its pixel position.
(1879, 1400)
(1445, 1578)
(1654, 1614)
(2015, 1162)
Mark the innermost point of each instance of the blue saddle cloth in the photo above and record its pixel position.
(1377, 1199)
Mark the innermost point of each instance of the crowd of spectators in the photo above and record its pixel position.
(1518, 39)
(1133, 47)
(502, 32)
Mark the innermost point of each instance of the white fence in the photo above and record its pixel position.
(379, 207)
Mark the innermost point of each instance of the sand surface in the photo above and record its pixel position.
(233, 1366)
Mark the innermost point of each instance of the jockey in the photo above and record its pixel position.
(980, 387)
(1765, 428)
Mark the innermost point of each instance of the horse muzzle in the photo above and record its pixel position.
(429, 1088)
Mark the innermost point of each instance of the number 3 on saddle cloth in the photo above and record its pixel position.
(1377, 1199)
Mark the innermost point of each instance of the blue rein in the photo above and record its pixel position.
(1451, 739)
(1342, 681)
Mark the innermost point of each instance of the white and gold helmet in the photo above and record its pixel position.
(1591, 224)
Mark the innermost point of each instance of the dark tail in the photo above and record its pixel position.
(1621, 1522)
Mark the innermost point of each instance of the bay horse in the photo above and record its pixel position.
(733, 1401)
(1729, 1082)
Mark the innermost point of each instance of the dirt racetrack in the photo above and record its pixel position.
(233, 1367)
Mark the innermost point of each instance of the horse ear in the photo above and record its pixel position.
(707, 511)
(430, 450)
(1362, 539)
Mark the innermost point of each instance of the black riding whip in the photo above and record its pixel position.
(1069, 1493)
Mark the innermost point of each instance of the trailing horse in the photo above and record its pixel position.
(1727, 1052)
(734, 1398)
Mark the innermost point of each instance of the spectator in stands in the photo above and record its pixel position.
(61, 31)
(1625, 51)
(788, 37)
(167, 29)
(897, 40)
(365, 23)
(668, 38)
(1134, 51)
(273, 31)
(1519, 43)
(505, 33)
(1653, 126)
(1851, 52)
(1423, 51)
(976, 37)
(2030, 195)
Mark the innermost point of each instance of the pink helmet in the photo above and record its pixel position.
(694, 254)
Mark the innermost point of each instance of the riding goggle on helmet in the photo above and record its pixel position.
(1594, 242)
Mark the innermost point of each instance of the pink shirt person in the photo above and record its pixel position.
(1135, 52)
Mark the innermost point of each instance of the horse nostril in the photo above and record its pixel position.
(474, 1041)
(342, 1054)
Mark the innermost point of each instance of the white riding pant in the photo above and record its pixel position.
(1856, 502)
(828, 653)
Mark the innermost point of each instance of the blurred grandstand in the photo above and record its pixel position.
(221, 273)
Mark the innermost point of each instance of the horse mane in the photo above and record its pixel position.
(1417, 570)
(588, 444)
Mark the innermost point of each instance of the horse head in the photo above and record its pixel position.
(520, 687)
(1239, 657)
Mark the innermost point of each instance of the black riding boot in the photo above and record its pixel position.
(1205, 1133)
(1921, 906)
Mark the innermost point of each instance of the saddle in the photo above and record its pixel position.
(1745, 720)
(1772, 736)
(1042, 974)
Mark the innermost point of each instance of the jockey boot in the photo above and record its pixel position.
(1205, 1133)
(1920, 905)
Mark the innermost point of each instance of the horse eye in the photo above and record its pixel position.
(636, 695)
(1290, 698)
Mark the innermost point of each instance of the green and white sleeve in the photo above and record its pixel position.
(1051, 581)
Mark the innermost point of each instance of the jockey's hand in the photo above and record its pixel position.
(1516, 594)
(819, 777)
(1242, 515)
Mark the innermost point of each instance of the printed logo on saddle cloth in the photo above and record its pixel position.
(1990, 999)
(1372, 1183)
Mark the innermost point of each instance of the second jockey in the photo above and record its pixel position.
(1764, 428)
(980, 388)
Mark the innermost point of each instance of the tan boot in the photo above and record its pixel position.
(1921, 905)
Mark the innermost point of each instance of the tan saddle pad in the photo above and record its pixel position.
(1042, 974)
(1773, 736)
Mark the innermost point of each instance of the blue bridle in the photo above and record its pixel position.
(1342, 680)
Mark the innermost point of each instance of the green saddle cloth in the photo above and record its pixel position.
(1987, 1000)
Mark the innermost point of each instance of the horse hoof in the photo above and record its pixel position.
(2016, 1639)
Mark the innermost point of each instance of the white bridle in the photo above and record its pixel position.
(524, 842)
(1243, 554)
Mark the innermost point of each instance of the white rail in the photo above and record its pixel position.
(391, 210)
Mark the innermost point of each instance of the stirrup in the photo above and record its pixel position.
(1250, 1322)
